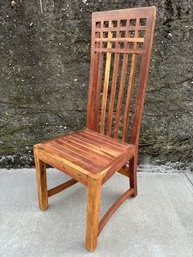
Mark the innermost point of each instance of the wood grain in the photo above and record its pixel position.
(121, 93)
(131, 36)
(133, 174)
(106, 82)
(124, 172)
(114, 85)
(130, 88)
(41, 181)
(61, 187)
(93, 208)
(136, 39)
(143, 76)
(84, 153)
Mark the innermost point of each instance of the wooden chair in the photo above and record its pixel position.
(121, 42)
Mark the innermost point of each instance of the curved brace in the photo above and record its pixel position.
(113, 208)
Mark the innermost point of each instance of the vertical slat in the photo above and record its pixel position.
(121, 92)
(121, 89)
(91, 109)
(130, 87)
(106, 82)
(99, 77)
(114, 85)
(99, 83)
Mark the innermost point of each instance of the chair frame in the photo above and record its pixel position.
(126, 163)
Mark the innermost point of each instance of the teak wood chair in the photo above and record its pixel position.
(120, 56)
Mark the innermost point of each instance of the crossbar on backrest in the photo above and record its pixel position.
(118, 38)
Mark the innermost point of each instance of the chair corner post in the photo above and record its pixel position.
(133, 174)
(41, 180)
(93, 209)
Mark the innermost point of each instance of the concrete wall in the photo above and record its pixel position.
(44, 72)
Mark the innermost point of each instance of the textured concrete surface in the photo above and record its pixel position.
(44, 72)
(157, 223)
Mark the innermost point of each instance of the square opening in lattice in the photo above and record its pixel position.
(131, 44)
(132, 33)
(113, 45)
(141, 33)
(105, 34)
(122, 45)
(114, 24)
(97, 34)
(123, 23)
(122, 34)
(106, 24)
(104, 44)
(97, 44)
(98, 24)
(139, 45)
(114, 34)
(133, 22)
(143, 21)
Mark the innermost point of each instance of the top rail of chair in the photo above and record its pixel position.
(123, 13)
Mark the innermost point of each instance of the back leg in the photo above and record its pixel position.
(133, 174)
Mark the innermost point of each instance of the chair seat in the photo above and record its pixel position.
(86, 151)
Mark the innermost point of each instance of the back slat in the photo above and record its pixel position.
(130, 87)
(99, 83)
(113, 87)
(106, 82)
(122, 84)
(121, 92)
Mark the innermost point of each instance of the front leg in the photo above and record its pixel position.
(93, 208)
(41, 181)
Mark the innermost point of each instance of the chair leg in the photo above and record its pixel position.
(133, 174)
(93, 208)
(41, 182)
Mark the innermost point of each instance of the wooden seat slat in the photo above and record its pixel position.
(87, 147)
(70, 157)
(104, 143)
(84, 151)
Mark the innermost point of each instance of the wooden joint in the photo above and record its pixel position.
(124, 172)
(61, 187)
(113, 208)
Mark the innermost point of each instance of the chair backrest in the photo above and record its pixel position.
(120, 57)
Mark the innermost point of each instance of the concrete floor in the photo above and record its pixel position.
(157, 223)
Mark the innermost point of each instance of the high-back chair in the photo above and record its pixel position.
(120, 57)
